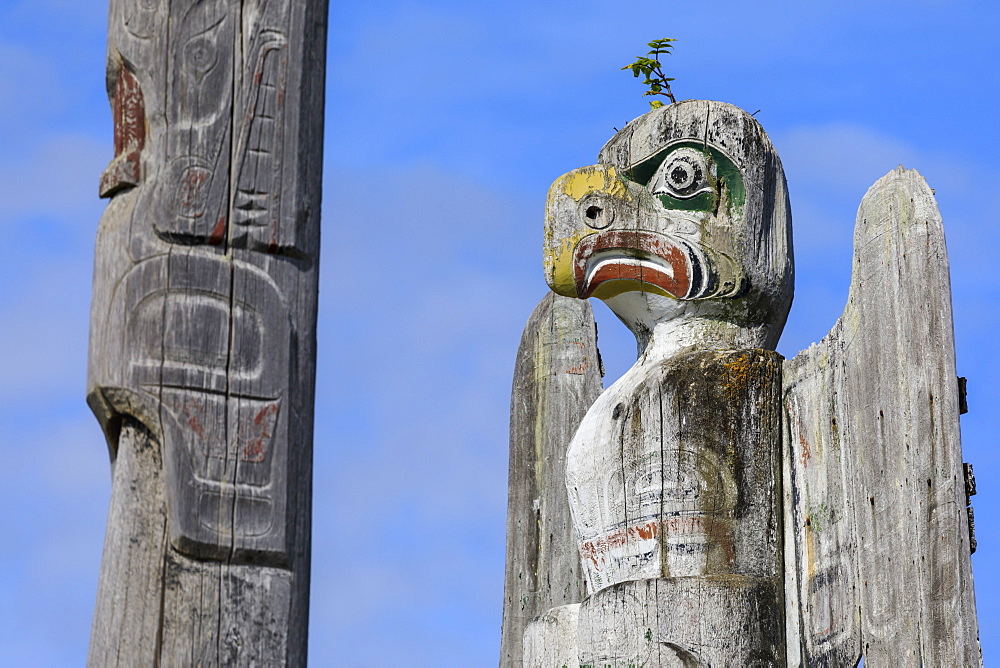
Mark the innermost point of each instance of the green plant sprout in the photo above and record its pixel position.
(651, 68)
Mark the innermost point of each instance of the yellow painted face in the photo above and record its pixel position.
(685, 213)
(660, 228)
(567, 221)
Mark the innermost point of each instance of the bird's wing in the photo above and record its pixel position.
(876, 523)
(557, 377)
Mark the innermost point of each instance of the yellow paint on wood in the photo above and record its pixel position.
(588, 180)
(559, 264)
(615, 287)
(558, 253)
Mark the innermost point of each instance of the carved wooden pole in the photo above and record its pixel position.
(731, 508)
(202, 344)
(673, 476)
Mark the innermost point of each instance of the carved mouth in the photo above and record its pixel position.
(670, 264)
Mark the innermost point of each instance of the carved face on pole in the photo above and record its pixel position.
(684, 216)
(206, 266)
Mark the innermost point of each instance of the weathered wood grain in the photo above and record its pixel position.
(203, 326)
(715, 620)
(880, 525)
(169, 609)
(127, 617)
(822, 587)
(557, 376)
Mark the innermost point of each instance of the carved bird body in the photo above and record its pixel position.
(693, 481)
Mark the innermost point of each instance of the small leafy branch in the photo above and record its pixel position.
(652, 70)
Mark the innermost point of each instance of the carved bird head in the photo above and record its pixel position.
(685, 215)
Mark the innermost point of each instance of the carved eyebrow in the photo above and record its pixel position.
(642, 172)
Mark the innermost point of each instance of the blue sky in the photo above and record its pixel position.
(446, 123)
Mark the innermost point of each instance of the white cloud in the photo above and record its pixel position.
(845, 159)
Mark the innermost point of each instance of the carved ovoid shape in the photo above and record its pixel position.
(129, 113)
(193, 195)
(195, 336)
(214, 365)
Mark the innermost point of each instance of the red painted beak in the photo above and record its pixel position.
(638, 256)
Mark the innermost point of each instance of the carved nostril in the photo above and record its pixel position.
(594, 212)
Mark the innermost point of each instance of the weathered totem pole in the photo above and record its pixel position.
(202, 341)
(718, 505)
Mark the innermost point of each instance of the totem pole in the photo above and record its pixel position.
(202, 340)
(718, 505)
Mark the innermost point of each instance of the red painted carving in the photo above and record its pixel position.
(219, 233)
(129, 113)
(676, 281)
(255, 433)
(191, 197)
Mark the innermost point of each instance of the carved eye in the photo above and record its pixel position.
(201, 54)
(684, 174)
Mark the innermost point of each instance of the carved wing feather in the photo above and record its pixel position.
(876, 522)
(557, 377)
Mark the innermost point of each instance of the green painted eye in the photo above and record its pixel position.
(689, 176)
(683, 174)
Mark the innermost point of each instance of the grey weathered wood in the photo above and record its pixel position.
(557, 376)
(714, 620)
(169, 609)
(202, 355)
(822, 600)
(127, 615)
(880, 527)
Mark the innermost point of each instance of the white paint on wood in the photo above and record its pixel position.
(674, 472)
(717, 620)
(551, 638)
